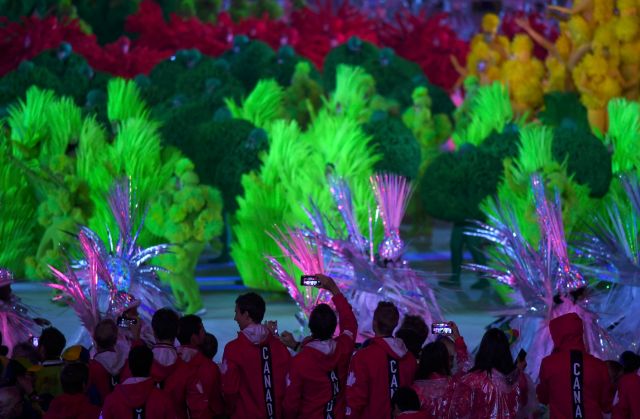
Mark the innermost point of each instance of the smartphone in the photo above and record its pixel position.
(442, 328)
(309, 281)
(35, 340)
(522, 355)
(126, 323)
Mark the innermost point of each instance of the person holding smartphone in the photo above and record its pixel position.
(318, 373)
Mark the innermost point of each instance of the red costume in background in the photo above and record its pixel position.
(137, 393)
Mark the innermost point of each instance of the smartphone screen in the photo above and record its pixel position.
(441, 329)
(309, 281)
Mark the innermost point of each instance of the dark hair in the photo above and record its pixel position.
(322, 322)
(105, 334)
(188, 326)
(53, 342)
(140, 360)
(434, 359)
(210, 346)
(386, 317)
(630, 361)
(26, 350)
(413, 332)
(165, 324)
(494, 353)
(406, 400)
(253, 304)
(74, 378)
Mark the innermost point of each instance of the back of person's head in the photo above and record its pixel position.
(165, 324)
(434, 359)
(140, 360)
(322, 322)
(51, 343)
(210, 346)
(11, 403)
(253, 304)
(105, 334)
(74, 378)
(385, 318)
(413, 332)
(405, 400)
(630, 361)
(187, 327)
(494, 353)
(27, 351)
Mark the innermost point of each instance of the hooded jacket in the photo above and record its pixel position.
(556, 384)
(72, 406)
(104, 373)
(138, 393)
(376, 371)
(254, 369)
(318, 374)
(194, 384)
(627, 402)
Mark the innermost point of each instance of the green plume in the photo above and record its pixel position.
(534, 149)
(124, 101)
(490, 110)
(263, 106)
(354, 91)
(624, 135)
(28, 121)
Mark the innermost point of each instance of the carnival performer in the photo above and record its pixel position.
(16, 325)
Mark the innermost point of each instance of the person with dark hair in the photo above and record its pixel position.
(254, 365)
(414, 332)
(627, 401)
(406, 404)
(108, 362)
(209, 347)
(494, 387)
(196, 384)
(616, 371)
(73, 403)
(434, 384)
(318, 374)
(20, 373)
(572, 381)
(138, 396)
(50, 347)
(165, 323)
(378, 370)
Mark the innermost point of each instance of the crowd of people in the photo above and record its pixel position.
(267, 374)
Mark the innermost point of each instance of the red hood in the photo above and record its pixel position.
(323, 353)
(567, 332)
(136, 395)
(394, 347)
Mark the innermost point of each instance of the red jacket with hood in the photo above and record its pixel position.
(254, 369)
(104, 373)
(627, 404)
(136, 393)
(375, 370)
(194, 384)
(72, 406)
(555, 386)
(321, 368)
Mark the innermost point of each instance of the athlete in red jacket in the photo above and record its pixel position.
(571, 381)
(195, 385)
(627, 401)
(318, 374)
(379, 369)
(73, 403)
(138, 396)
(107, 363)
(254, 365)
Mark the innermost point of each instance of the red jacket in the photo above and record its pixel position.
(72, 406)
(627, 404)
(254, 369)
(104, 373)
(321, 368)
(138, 393)
(373, 374)
(194, 384)
(555, 386)
(412, 415)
